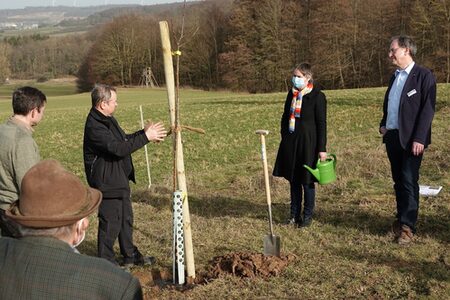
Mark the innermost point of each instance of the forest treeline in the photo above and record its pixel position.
(245, 45)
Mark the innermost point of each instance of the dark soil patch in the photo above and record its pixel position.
(240, 264)
(248, 265)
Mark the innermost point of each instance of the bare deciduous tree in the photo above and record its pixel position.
(5, 50)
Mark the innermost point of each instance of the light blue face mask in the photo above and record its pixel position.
(298, 82)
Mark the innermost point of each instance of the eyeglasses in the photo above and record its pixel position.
(393, 50)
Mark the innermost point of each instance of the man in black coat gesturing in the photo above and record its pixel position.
(108, 166)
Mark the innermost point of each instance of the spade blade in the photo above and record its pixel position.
(272, 245)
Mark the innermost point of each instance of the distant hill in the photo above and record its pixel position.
(49, 15)
(108, 14)
(52, 15)
(63, 19)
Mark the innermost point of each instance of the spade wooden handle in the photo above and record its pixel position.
(262, 134)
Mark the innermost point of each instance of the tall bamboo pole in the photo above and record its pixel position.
(146, 151)
(179, 165)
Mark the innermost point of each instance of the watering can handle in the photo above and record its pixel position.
(334, 159)
(328, 155)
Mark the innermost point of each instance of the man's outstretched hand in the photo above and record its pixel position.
(155, 131)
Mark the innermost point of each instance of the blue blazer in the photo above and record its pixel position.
(416, 108)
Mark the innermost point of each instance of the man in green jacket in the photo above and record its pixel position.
(52, 214)
(18, 150)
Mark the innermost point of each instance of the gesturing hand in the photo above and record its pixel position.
(155, 131)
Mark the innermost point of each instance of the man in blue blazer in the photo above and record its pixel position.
(408, 110)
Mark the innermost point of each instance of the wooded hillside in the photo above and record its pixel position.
(248, 45)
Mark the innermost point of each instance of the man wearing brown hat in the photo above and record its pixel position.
(52, 216)
(18, 150)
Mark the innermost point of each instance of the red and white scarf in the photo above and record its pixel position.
(296, 104)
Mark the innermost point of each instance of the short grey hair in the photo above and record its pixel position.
(405, 41)
(101, 92)
(56, 232)
(305, 69)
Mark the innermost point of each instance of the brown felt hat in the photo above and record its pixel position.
(51, 196)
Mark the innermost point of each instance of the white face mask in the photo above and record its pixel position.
(82, 237)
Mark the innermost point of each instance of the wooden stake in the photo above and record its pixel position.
(146, 152)
(179, 160)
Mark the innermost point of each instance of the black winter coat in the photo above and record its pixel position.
(309, 138)
(107, 155)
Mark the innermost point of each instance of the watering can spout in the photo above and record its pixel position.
(325, 171)
(315, 172)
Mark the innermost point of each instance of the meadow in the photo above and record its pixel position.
(348, 252)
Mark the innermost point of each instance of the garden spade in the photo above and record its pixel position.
(271, 241)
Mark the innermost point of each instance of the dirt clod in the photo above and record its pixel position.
(250, 265)
(240, 264)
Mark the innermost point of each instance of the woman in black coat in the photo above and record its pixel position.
(303, 140)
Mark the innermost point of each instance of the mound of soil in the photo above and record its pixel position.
(250, 265)
(241, 264)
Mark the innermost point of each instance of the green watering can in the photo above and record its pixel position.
(325, 171)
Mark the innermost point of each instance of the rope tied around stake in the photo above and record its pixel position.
(180, 127)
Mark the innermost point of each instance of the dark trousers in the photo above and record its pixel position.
(298, 193)
(405, 173)
(7, 227)
(115, 220)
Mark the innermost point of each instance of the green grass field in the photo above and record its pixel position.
(348, 251)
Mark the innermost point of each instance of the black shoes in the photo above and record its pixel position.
(291, 221)
(139, 260)
(299, 223)
(294, 222)
(305, 223)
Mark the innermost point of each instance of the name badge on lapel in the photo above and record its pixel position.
(411, 92)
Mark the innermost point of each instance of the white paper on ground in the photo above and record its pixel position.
(426, 190)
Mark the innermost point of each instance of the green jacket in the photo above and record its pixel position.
(18, 153)
(47, 268)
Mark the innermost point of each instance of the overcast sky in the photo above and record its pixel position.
(10, 4)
